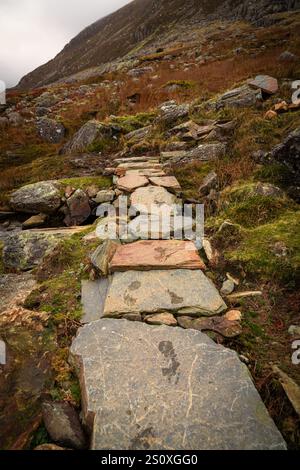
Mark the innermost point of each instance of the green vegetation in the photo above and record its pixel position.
(83, 182)
(184, 84)
(191, 176)
(130, 123)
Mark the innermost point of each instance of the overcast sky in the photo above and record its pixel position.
(34, 31)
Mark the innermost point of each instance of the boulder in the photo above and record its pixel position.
(50, 130)
(179, 391)
(47, 99)
(206, 152)
(210, 182)
(170, 113)
(138, 134)
(179, 291)
(44, 197)
(63, 424)
(79, 208)
(88, 134)
(288, 153)
(242, 97)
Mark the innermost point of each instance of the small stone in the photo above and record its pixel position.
(63, 425)
(104, 196)
(271, 115)
(92, 191)
(233, 315)
(281, 107)
(220, 325)
(227, 287)
(209, 183)
(294, 330)
(35, 221)
(79, 208)
(52, 447)
(69, 191)
(161, 319)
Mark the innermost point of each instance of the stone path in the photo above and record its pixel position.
(149, 380)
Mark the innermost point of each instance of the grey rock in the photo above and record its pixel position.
(44, 197)
(47, 99)
(104, 196)
(209, 182)
(294, 330)
(139, 71)
(227, 287)
(15, 118)
(50, 130)
(41, 111)
(170, 113)
(242, 97)
(287, 56)
(93, 296)
(63, 425)
(139, 134)
(4, 122)
(207, 152)
(155, 387)
(88, 134)
(102, 256)
(288, 153)
(179, 291)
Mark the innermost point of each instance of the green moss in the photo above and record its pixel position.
(103, 182)
(260, 250)
(131, 123)
(274, 173)
(190, 177)
(105, 144)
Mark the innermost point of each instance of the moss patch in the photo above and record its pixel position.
(190, 177)
(103, 182)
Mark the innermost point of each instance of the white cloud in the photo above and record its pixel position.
(34, 31)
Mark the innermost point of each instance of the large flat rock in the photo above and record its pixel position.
(130, 182)
(156, 254)
(155, 387)
(168, 182)
(180, 291)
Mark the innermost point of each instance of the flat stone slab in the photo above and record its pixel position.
(140, 166)
(137, 159)
(93, 296)
(168, 182)
(181, 291)
(145, 199)
(265, 83)
(130, 182)
(156, 254)
(147, 173)
(155, 387)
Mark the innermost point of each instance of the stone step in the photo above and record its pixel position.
(148, 173)
(180, 291)
(137, 159)
(162, 388)
(169, 182)
(130, 182)
(145, 199)
(140, 166)
(156, 254)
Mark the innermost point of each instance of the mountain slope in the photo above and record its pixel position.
(117, 34)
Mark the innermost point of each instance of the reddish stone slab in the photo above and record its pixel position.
(156, 254)
(130, 182)
(168, 182)
(265, 83)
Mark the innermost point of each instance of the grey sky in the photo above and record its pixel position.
(34, 31)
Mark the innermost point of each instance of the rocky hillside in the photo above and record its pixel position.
(139, 25)
(203, 115)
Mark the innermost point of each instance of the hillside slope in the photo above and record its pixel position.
(117, 34)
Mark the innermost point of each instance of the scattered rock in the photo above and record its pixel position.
(227, 287)
(102, 256)
(86, 136)
(242, 97)
(265, 83)
(42, 197)
(140, 71)
(210, 182)
(288, 153)
(47, 99)
(161, 319)
(270, 115)
(50, 130)
(79, 208)
(63, 425)
(138, 134)
(155, 365)
(233, 315)
(35, 221)
(171, 112)
(207, 152)
(156, 254)
(176, 291)
(4, 122)
(241, 295)
(287, 56)
(221, 325)
(15, 119)
(210, 252)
